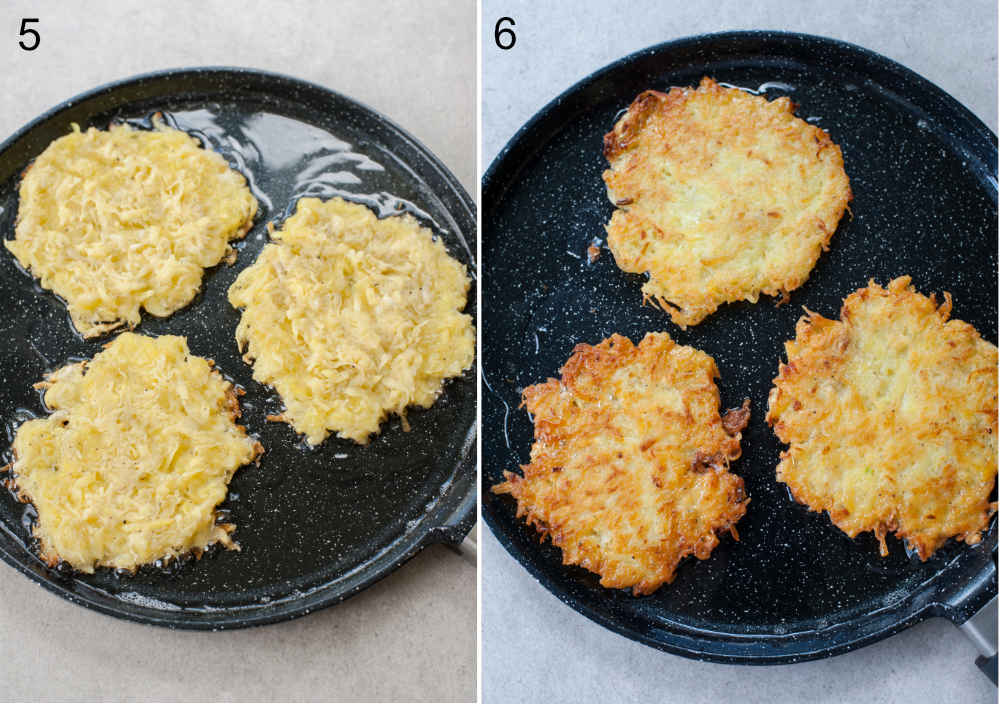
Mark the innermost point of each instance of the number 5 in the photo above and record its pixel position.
(25, 31)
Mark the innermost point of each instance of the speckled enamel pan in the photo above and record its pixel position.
(315, 526)
(922, 169)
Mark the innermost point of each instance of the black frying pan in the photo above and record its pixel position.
(922, 169)
(315, 526)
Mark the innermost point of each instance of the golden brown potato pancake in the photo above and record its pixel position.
(721, 196)
(890, 415)
(121, 220)
(351, 318)
(629, 468)
(136, 455)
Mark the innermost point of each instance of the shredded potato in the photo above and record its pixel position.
(351, 318)
(890, 414)
(134, 459)
(721, 196)
(629, 470)
(120, 220)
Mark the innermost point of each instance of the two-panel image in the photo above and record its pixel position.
(499, 351)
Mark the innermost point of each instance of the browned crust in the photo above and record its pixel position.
(625, 131)
(736, 419)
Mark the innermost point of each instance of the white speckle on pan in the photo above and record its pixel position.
(147, 601)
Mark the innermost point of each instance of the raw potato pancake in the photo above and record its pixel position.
(351, 318)
(121, 220)
(629, 468)
(890, 414)
(136, 455)
(720, 195)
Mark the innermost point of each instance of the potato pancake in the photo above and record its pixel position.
(890, 415)
(629, 468)
(721, 196)
(121, 220)
(136, 455)
(351, 318)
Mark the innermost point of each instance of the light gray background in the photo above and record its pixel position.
(535, 649)
(410, 637)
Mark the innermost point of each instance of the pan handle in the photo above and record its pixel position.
(466, 549)
(981, 629)
(988, 666)
(453, 528)
(981, 626)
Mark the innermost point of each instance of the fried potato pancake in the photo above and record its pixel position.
(121, 220)
(136, 455)
(629, 468)
(890, 415)
(721, 196)
(351, 318)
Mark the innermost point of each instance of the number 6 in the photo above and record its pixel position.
(498, 34)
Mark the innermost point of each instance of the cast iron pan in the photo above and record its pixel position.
(925, 203)
(315, 526)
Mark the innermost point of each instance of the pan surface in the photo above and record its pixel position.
(314, 526)
(923, 172)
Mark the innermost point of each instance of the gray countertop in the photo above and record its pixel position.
(411, 636)
(536, 649)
